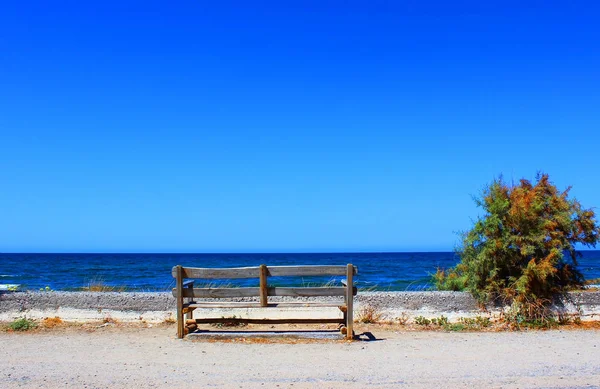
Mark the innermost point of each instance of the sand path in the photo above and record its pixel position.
(146, 358)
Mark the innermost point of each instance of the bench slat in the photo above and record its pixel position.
(322, 270)
(307, 292)
(267, 321)
(249, 304)
(254, 272)
(253, 292)
(209, 273)
(218, 292)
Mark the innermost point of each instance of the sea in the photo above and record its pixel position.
(152, 272)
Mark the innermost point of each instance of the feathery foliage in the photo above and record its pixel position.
(523, 249)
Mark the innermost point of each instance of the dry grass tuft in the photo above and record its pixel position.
(370, 314)
(403, 319)
(98, 285)
(51, 322)
(109, 320)
(101, 287)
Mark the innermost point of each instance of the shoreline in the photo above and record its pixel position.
(155, 307)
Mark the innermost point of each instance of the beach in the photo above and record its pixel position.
(120, 340)
(151, 357)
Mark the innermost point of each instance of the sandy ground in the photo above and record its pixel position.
(125, 357)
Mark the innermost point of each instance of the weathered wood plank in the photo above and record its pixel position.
(236, 304)
(306, 292)
(209, 273)
(219, 292)
(189, 285)
(179, 297)
(321, 270)
(254, 272)
(254, 292)
(350, 302)
(269, 321)
(263, 286)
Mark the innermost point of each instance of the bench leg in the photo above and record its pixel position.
(190, 314)
(349, 316)
(179, 286)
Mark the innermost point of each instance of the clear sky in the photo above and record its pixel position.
(251, 126)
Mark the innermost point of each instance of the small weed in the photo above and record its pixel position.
(46, 289)
(22, 324)
(403, 319)
(475, 323)
(227, 323)
(456, 327)
(99, 286)
(51, 322)
(109, 320)
(422, 321)
(441, 321)
(540, 324)
(463, 323)
(369, 314)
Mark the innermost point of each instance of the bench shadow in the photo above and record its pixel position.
(367, 337)
(266, 332)
(363, 337)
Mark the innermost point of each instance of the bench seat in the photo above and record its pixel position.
(250, 304)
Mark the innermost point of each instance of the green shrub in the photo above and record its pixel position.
(456, 327)
(22, 324)
(515, 252)
(476, 322)
(441, 321)
(422, 321)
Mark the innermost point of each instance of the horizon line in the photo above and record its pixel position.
(244, 253)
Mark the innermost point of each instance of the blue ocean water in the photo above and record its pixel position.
(152, 272)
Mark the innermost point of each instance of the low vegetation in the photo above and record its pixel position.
(100, 286)
(51, 322)
(463, 324)
(229, 323)
(422, 321)
(370, 314)
(109, 320)
(403, 319)
(22, 324)
(521, 253)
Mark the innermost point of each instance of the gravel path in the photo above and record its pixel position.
(152, 357)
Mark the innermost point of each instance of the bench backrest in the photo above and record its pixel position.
(262, 272)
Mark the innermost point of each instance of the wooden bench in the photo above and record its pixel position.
(184, 289)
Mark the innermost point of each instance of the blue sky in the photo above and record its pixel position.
(285, 126)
